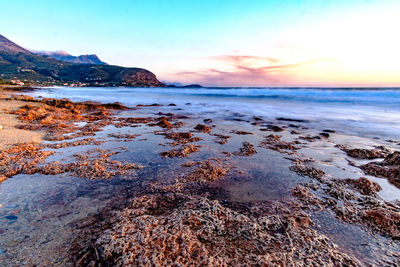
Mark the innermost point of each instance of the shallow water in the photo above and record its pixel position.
(38, 212)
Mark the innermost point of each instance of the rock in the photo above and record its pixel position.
(392, 159)
(202, 128)
(277, 128)
(388, 168)
(181, 152)
(365, 186)
(292, 120)
(294, 126)
(362, 153)
(274, 142)
(207, 171)
(11, 217)
(163, 122)
(305, 170)
(329, 131)
(386, 220)
(241, 132)
(221, 139)
(273, 128)
(310, 138)
(177, 230)
(247, 150)
(326, 135)
(304, 195)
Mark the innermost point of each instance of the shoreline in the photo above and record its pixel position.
(193, 175)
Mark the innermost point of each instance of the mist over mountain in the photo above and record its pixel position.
(65, 56)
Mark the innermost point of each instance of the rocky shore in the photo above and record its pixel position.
(202, 191)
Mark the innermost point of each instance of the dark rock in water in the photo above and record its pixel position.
(362, 153)
(393, 159)
(294, 132)
(200, 232)
(309, 171)
(310, 138)
(274, 142)
(181, 152)
(388, 168)
(294, 120)
(164, 122)
(202, 128)
(238, 119)
(383, 220)
(11, 217)
(247, 150)
(329, 131)
(172, 105)
(207, 120)
(326, 135)
(365, 186)
(222, 139)
(273, 128)
(241, 132)
(276, 128)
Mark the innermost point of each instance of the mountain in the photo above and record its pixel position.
(64, 56)
(8, 46)
(20, 64)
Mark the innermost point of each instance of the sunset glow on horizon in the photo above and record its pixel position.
(229, 43)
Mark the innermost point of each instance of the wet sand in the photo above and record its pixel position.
(10, 135)
(155, 185)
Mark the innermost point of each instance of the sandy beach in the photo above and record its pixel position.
(10, 135)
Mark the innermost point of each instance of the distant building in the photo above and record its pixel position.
(17, 82)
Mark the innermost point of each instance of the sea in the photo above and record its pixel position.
(366, 112)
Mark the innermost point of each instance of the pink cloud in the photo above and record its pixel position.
(244, 74)
(240, 58)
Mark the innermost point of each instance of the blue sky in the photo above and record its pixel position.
(218, 42)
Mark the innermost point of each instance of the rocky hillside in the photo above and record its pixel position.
(20, 64)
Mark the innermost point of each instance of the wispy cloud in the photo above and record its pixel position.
(248, 71)
(243, 58)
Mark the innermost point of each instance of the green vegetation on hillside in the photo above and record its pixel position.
(36, 69)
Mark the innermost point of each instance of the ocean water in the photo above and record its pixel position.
(372, 112)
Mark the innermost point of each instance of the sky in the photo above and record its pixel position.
(224, 42)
